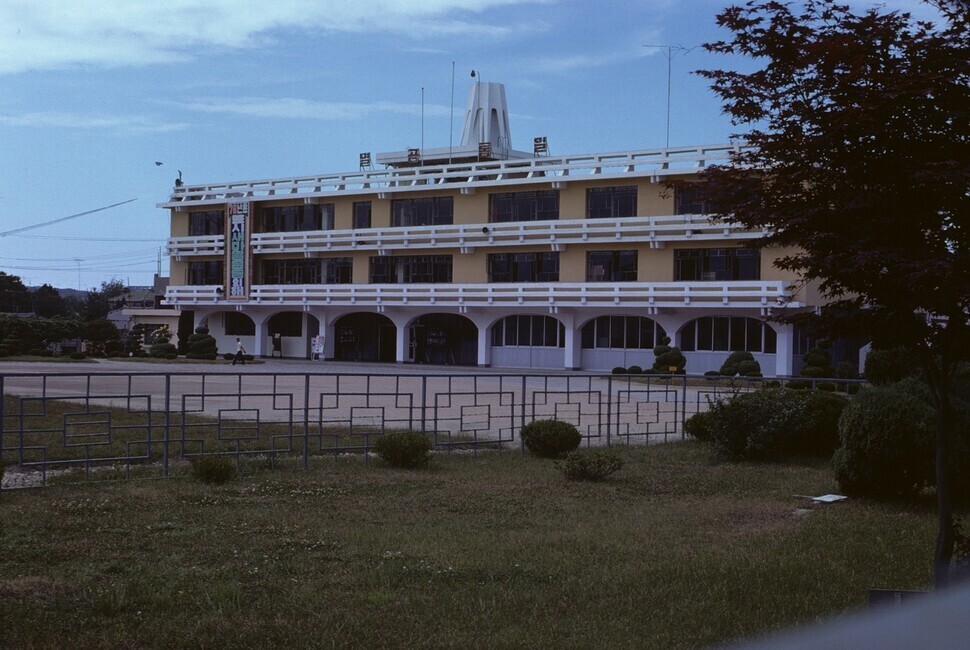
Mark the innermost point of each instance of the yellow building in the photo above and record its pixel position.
(480, 254)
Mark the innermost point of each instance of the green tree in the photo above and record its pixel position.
(47, 302)
(100, 334)
(14, 297)
(98, 302)
(860, 125)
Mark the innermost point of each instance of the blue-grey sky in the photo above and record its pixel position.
(94, 92)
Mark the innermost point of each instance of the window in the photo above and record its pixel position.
(300, 271)
(434, 211)
(237, 323)
(408, 269)
(296, 218)
(337, 270)
(288, 323)
(362, 212)
(523, 267)
(611, 202)
(728, 334)
(622, 332)
(523, 206)
(204, 273)
(689, 200)
(529, 331)
(208, 222)
(710, 264)
(611, 266)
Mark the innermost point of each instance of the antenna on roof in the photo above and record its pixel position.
(668, 51)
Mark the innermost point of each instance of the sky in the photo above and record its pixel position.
(94, 94)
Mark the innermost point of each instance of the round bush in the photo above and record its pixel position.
(550, 438)
(634, 370)
(749, 368)
(889, 366)
(888, 441)
(408, 449)
(619, 370)
(78, 356)
(699, 425)
(774, 423)
(590, 465)
(213, 469)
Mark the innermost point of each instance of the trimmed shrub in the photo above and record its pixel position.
(590, 465)
(634, 370)
(699, 425)
(667, 357)
(550, 438)
(712, 373)
(77, 356)
(202, 345)
(826, 386)
(846, 370)
(407, 449)
(889, 366)
(888, 441)
(213, 469)
(619, 370)
(228, 356)
(774, 423)
(740, 363)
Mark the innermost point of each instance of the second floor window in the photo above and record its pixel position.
(523, 206)
(523, 267)
(362, 212)
(714, 264)
(204, 273)
(611, 202)
(408, 269)
(431, 211)
(611, 266)
(336, 270)
(689, 200)
(208, 222)
(296, 218)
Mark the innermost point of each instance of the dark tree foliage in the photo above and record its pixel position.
(858, 125)
(47, 302)
(14, 297)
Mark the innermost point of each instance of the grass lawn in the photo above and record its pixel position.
(493, 551)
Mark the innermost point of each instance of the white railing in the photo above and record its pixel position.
(642, 295)
(651, 162)
(466, 237)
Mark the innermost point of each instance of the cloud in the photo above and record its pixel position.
(296, 108)
(51, 34)
(122, 124)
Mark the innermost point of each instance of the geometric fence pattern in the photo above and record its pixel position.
(70, 421)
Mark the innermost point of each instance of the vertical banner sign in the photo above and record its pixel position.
(238, 249)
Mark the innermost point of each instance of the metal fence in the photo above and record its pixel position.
(80, 425)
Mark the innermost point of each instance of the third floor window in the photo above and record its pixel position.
(207, 222)
(523, 206)
(611, 266)
(296, 218)
(409, 269)
(713, 264)
(611, 202)
(430, 211)
(523, 267)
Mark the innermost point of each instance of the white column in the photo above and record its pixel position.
(573, 344)
(785, 348)
(401, 351)
(484, 346)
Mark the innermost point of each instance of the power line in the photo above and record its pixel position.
(72, 216)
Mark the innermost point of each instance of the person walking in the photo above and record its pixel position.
(240, 351)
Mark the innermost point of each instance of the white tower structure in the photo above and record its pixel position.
(487, 118)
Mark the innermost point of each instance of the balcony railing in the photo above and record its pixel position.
(648, 296)
(463, 176)
(466, 237)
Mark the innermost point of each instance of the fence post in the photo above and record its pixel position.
(683, 406)
(168, 423)
(424, 403)
(609, 411)
(306, 421)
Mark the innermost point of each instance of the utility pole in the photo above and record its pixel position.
(670, 51)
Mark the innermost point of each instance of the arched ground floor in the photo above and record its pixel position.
(576, 339)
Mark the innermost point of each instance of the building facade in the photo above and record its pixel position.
(482, 255)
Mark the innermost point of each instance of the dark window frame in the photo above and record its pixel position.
(536, 205)
(203, 223)
(427, 211)
(205, 273)
(614, 202)
(411, 269)
(717, 264)
(523, 267)
(612, 266)
(720, 334)
(296, 218)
